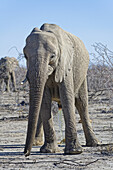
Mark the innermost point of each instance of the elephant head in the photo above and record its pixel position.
(46, 53)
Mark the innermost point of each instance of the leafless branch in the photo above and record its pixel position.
(100, 72)
(20, 55)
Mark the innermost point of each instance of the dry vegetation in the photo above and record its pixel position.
(100, 72)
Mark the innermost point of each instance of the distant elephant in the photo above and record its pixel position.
(57, 64)
(7, 67)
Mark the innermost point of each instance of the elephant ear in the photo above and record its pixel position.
(66, 50)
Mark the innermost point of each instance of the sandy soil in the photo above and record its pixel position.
(13, 126)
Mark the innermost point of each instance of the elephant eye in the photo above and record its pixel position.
(52, 59)
(52, 56)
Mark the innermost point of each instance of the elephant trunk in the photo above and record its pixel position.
(35, 99)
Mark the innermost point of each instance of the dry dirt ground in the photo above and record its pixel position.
(13, 127)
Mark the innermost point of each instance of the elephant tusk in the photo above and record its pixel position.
(24, 81)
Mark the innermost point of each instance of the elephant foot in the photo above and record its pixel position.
(93, 143)
(26, 153)
(38, 141)
(49, 148)
(73, 149)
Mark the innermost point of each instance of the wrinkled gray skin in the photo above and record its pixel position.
(57, 64)
(7, 67)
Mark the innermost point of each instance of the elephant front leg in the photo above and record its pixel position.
(39, 133)
(6, 80)
(82, 107)
(72, 145)
(50, 144)
(13, 81)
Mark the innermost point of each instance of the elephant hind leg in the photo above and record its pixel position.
(81, 102)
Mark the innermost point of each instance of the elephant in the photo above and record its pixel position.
(57, 64)
(7, 67)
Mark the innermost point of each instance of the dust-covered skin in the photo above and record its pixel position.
(57, 64)
(7, 67)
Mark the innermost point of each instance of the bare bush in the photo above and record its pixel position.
(100, 77)
(100, 72)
